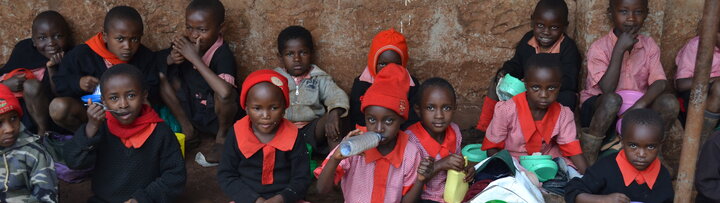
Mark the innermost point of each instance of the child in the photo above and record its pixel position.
(437, 136)
(548, 22)
(27, 173)
(201, 69)
(624, 61)
(40, 55)
(80, 69)
(707, 176)
(635, 174)
(136, 156)
(391, 172)
(312, 91)
(533, 121)
(264, 160)
(387, 47)
(685, 61)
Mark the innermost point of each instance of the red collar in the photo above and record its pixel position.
(535, 132)
(554, 49)
(97, 44)
(630, 173)
(395, 157)
(249, 144)
(431, 145)
(135, 134)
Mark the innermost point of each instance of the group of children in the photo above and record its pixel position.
(263, 131)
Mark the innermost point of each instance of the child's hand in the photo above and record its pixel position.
(55, 59)
(88, 83)
(175, 57)
(186, 48)
(15, 83)
(452, 161)
(337, 155)
(260, 200)
(275, 199)
(332, 125)
(425, 169)
(469, 173)
(627, 40)
(96, 115)
(615, 197)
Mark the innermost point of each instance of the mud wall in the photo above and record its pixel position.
(465, 41)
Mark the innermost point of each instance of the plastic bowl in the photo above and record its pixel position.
(474, 152)
(542, 165)
(508, 87)
(629, 98)
(92, 97)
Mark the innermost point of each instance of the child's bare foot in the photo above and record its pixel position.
(214, 155)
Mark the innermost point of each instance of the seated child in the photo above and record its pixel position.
(27, 173)
(437, 136)
(200, 88)
(136, 156)
(533, 121)
(264, 160)
(40, 56)
(620, 63)
(548, 21)
(312, 91)
(391, 172)
(685, 61)
(80, 69)
(707, 176)
(387, 47)
(634, 174)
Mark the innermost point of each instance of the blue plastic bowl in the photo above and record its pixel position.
(93, 97)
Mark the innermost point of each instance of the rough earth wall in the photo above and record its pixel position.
(465, 41)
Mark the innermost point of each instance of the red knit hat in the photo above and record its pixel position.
(383, 41)
(265, 75)
(389, 90)
(8, 101)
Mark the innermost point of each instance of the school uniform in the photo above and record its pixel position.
(685, 62)
(515, 130)
(614, 174)
(429, 147)
(195, 94)
(707, 176)
(250, 169)
(147, 166)
(86, 60)
(639, 69)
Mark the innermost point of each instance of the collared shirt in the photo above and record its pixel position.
(555, 49)
(435, 188)
(686, 57)
(640, 67)
(630, 173)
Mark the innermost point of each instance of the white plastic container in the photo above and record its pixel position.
(359, 143)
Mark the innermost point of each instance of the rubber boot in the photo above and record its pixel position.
(590, 145)
(710, 121)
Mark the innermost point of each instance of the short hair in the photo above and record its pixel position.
(123, 69)
(554, 5)
(51, 16)
(434, 82)
(550, 61)
(295, 32)
(214, 7)
(123, 13)
(612, 4)
(646, 117)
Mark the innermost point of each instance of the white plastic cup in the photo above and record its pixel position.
(359, 143)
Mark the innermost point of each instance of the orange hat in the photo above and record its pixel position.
(383, 41)
(8, 101)
(265, 75)
(389, 90)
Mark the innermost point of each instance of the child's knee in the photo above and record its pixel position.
(667, 103)
(611, 102)
(32, 87)
(59, 108)
(714, 90)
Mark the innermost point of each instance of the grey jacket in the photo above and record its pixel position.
(314, 96)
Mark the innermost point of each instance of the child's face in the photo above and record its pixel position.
(265, 105)
(201, 24)
(436, 109)
(641, 144)
(384, 121)
(386, 58)
(629, 14)
(123, 38)
(10, 128)
(543, 86)
(547, 27)
(125, 96)
(49, 38)
(296, 58)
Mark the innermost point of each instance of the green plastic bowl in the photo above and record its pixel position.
(474, 152)
(508, 87)
(542, 165)
(496, 201)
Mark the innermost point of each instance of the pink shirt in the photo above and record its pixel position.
(686, 57)
(638, 71)
(435, 188)
(356, 175)
(505, 126)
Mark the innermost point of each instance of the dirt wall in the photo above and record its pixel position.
(465, 41)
